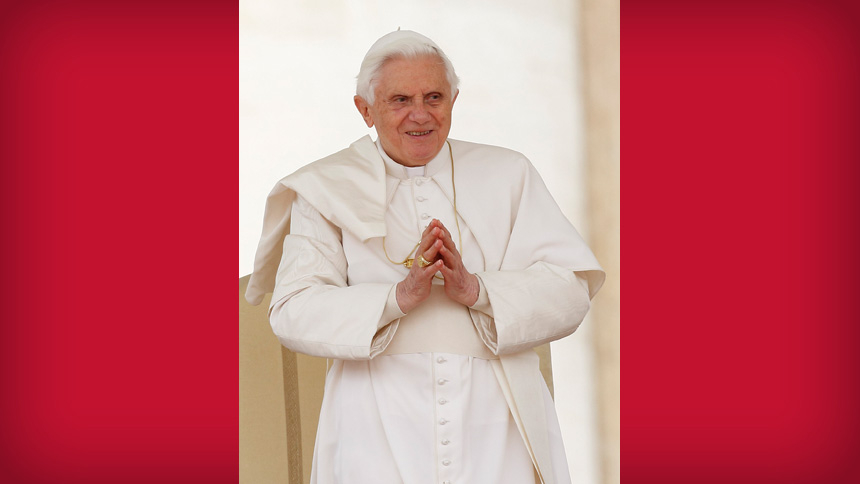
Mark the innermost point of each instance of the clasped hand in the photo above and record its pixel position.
(437, 247)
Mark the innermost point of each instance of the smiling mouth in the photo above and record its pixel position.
(417, 133)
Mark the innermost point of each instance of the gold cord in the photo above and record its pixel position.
(454, 188)
(408, 261)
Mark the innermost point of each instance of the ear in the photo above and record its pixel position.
(364, 110)
(455, 97)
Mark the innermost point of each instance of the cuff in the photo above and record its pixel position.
(483, 302)
(392, 309)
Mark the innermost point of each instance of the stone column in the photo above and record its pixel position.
(600, 44)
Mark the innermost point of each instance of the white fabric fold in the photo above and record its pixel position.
(354, 176)
(538, 273)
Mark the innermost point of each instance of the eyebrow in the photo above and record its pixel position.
(431, 93)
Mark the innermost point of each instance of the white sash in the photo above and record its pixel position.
(438, 325)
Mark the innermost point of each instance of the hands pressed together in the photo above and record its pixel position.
(437, 247)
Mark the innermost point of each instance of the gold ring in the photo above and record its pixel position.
(422, 262)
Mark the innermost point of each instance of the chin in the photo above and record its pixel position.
(423, 157)
(428, 147)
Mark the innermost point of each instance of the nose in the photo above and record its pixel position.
(419, 113)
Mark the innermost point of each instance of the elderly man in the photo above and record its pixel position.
(427, 268)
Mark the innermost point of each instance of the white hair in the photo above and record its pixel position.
(398, 44)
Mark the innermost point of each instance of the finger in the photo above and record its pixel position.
(435, 223)
(433, 252)
(429, 248)
(452, 258)
(432, 269)
(447, 273)
(422, 277)
(445, 232)
(448, 241)
(427, 239)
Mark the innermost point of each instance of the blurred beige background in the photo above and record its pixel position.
(540, 77)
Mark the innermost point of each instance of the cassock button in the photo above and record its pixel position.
(442, 401)
(425, 216)
(419, 182)
(446, 462)
(445, 441)
(420, 198)
(442, 421)
(441, 381)
(446, 482)
(441, 359)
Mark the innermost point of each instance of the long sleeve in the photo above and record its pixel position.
(541, 287)
(313, 310)
(518, 310)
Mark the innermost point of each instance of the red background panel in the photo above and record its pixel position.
(740, 178)
(118, 138)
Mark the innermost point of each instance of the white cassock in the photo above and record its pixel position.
(402, 406)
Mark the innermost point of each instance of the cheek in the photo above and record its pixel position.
(442, 121)
(443, 116)
(392, 122)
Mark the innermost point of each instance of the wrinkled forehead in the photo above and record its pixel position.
(412, 75)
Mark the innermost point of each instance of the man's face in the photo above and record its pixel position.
(412, 109)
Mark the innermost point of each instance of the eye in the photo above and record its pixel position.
(400, 99)
(434, 98)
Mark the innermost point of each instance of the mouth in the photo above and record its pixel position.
(418, 133)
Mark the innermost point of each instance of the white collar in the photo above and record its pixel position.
(403, 172)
